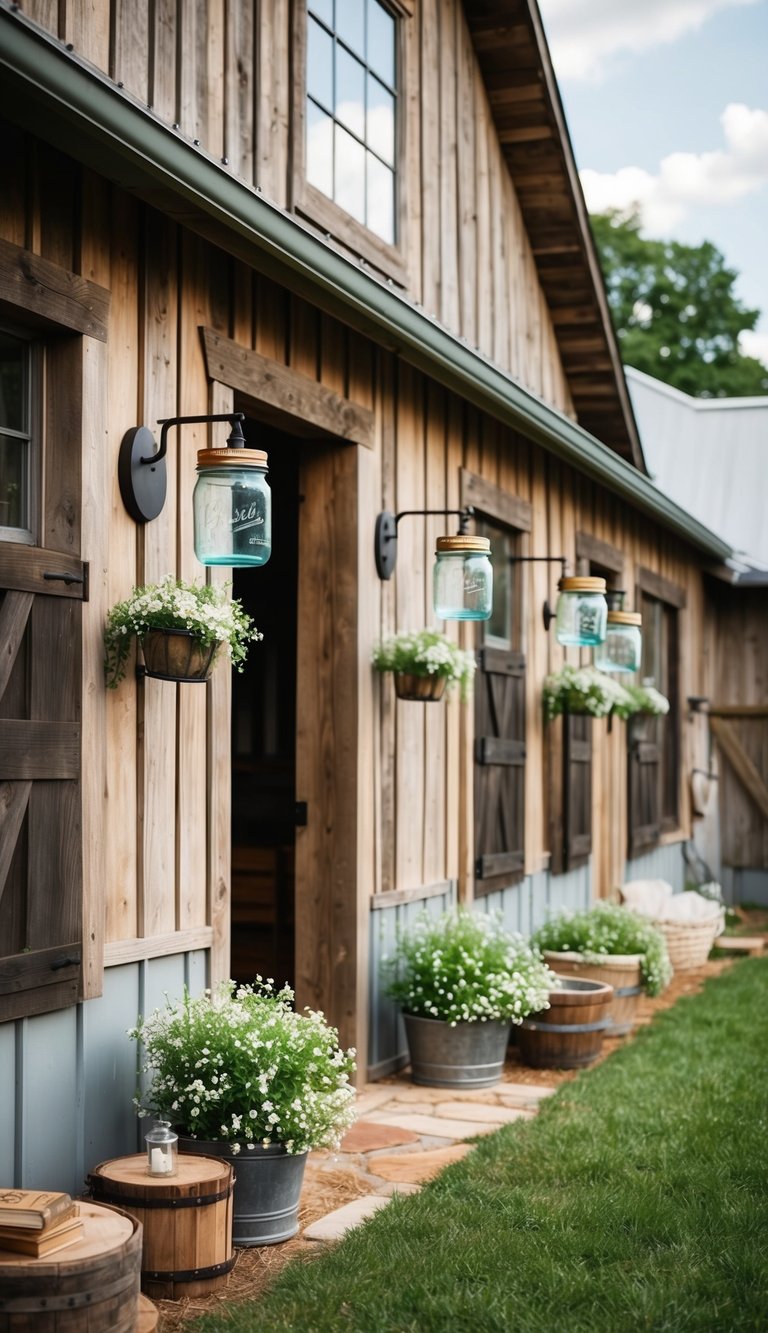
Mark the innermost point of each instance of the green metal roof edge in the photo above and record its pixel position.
(43, 73)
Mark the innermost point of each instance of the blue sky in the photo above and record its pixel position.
(667, 103)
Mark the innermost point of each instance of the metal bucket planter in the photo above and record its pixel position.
(570, 1033)
(622, 971)
(267, 1189)
(469, 1055)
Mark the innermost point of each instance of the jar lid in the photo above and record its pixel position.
(231, 458)
(574, 584)
(624, 618)
(463, 542)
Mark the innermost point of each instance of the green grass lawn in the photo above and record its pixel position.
(637, 1199)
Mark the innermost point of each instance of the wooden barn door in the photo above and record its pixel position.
(577, 789)
(643, 788)
(41, 594)
(499, 769)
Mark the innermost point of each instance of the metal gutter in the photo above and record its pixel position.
(51, 91)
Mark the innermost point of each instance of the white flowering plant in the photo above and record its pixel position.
(204, 610)
(463, 967)
(426, 652)
(607, 928)
(647, 699)
(240, 1065)
(585, 690)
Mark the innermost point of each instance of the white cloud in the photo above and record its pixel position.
(686, 181)
(754, 344)
(586, 35)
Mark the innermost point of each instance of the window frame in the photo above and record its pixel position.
(318, 208)
(34, 391)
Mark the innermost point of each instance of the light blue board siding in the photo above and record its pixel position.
(67, 1080)
(745, 886)
(522, 907)
(7, 1102)
(49, 1105)
(386, 1046)
(665, 862)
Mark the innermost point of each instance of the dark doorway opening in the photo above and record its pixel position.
(264, 811)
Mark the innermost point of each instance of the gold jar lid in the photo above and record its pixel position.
(574, 584)
(463, 542)
(624, 618)
(231, 458)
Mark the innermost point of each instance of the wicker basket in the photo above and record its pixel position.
(689, 942)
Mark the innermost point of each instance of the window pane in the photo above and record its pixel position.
(13, 407)
(350, 24)
(13, 455)
(381, 199)
(319, 64)
(323, 9)
(350, 92)
(381, 42)
(319, 149)
(381, 121)
(349, 178)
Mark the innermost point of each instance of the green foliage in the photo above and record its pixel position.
(634, 1200)
(462, 967)
(206, 611)
(675, 310)
(426, 652)
(242, 1066)
(606, 928)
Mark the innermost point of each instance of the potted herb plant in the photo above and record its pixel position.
(584, 690)
(425, 663)
(608, 943)
(242, 1076)
(180, 626)
(461, 980)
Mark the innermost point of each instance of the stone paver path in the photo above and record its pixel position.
(405, 1135)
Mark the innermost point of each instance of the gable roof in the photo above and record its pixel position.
(514, 60)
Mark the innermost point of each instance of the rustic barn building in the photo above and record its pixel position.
(361, 226)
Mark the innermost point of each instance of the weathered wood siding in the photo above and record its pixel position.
(221, 71)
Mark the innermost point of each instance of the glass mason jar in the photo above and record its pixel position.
(622, 646)
(162, 1146)
(463, 578)
(582, 612)
(232, 507)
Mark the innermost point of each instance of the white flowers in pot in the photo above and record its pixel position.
(429, 656)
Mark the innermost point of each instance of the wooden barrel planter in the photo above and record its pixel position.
(92, 1284)
(186, 1219)
(622, 971)
(570, 1033)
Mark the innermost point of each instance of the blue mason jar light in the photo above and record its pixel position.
(463, 578)
(622, 646)
(582, 612)
(232, 508)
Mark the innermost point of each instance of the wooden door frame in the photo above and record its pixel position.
(331, 906)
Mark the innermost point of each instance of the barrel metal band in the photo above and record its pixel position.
(567, 1027)
(627, 990)
(77, 1300)
(188, 1274)
(129, 1201)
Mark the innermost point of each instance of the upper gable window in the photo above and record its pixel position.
(351, 110)
(18, 381)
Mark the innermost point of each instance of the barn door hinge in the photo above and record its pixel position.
(68, 579)
(69, 960)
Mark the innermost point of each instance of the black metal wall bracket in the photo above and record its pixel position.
(141, 468)
(547, 613)
(385, 537)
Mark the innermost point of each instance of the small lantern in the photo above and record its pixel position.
(233, 507)
(162, 1146)
(463, 578)
(582, 612)
(622, 646)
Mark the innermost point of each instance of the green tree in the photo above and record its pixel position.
(675, 310)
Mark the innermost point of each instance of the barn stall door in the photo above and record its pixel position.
(499, 769)
(41, 594)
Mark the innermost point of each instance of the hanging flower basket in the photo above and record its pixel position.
(425, 663)
(424, 688)
(175, 654)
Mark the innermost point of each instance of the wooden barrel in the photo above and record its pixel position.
(570, 1033)
(620, 970)
(148, 1316)
(91, 1286)
(186, 1218)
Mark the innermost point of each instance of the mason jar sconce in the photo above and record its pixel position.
(462, 584)
(232, 500)
(581, 614)
(621, 649)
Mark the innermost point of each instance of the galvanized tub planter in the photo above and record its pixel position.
(620, 970)
(468, 1055)
(570, 1033)
(267, 1190)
